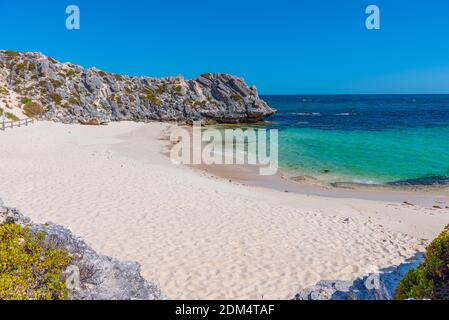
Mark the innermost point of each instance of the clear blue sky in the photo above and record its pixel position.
(282, 46)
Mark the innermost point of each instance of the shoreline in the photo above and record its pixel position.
(289, 182)
(198, 236)
(248, 175)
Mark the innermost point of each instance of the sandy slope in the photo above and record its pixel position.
(10, 102)
(197, 236)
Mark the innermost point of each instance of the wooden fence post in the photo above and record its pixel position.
(10, 124)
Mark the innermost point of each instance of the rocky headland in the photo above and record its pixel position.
(44, 88)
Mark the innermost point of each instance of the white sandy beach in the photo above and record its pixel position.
(197, 236)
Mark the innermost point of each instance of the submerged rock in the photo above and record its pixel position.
(96, 277)
(426, 181)
(72, 94)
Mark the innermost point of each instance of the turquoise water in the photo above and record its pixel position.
(364, 139)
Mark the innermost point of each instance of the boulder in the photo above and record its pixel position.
(375, 286)
(100, 277)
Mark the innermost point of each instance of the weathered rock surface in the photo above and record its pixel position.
(375, 286)
(71, 94)
(100, 277)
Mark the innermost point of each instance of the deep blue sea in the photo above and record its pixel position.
(375, 139)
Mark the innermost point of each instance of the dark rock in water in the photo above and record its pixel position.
(72, 94)
(429, 180)
(375, 286)
(100, 277)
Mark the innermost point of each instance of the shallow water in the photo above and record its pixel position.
(376, 139)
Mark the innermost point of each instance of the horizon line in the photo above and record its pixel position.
(354, 94)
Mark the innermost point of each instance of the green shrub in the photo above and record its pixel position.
(178, 90)
(112, 97)
(21, 66)
(128, 91)
(56, 98)
(236, 97)
(71, 73)
(3, 91)
(28, 269)
(161, 89)
(56, 83)
(33, 110)
(431, 279)
(11, 116)
(198, 103)
(150, 95)
(11, 54)
(148, 92)
(25, 100)
(73, 101)
(1, 111)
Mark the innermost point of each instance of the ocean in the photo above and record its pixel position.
(369, 139)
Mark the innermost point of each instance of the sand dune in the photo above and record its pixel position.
(197, 236)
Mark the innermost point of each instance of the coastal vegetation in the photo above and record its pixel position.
(73, 101)
(198, 103)
(33, 110)
(56, 83)
(431, 279)
(178, 90)
(11, 116)
(71, 73)
(236, 97)
(29, 269)
(56, 98)
(128, 91)
(48, 262)
(11, 54)
(161, 89)
(25, 100)
(151, 96)
(20, 67)
(3, 91)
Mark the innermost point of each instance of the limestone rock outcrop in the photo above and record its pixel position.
(98, 277)
(69, 93)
